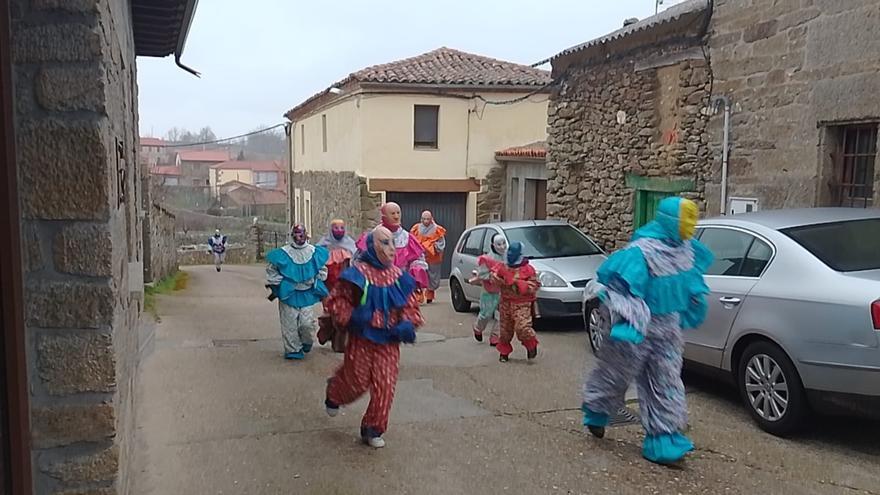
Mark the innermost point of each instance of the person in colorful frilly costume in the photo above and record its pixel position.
(409, 254)
(295, 275)
(490, 296)
(518, 283)
(653, 288)
(432, 237)
(341, 247)
(377, 303)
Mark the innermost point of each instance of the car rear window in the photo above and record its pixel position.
(844, 246)
(552, 241)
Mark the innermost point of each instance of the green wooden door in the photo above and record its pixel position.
(646, 206)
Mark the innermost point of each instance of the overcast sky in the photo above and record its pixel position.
(261, 57)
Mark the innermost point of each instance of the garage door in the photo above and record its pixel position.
(450, 211)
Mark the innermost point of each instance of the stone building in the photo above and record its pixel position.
(627, 125)
(516, 188)
(802, 79)
(639, 114)
(71, 274)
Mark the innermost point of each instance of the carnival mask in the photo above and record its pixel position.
(427, 218)
(514, 254)
(688, 215)
(499, 244)
(337, 230)
(299, 235)
(391, 216)
(383, 244)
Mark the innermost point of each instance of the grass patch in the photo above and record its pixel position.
(167, 285)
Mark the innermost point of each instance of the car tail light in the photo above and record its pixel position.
(875, 314)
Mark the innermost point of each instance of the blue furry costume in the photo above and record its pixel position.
(653, 288)
(295, 275)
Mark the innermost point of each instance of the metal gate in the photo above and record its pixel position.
(449, 209)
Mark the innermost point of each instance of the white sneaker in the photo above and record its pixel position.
(376, 442)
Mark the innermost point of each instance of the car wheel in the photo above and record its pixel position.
(771, 389)
(459, 302)
(597, 321)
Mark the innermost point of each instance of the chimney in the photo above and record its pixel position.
(631, 20)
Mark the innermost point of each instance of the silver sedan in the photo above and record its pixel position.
(794, 315)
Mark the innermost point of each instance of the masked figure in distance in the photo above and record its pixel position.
(518, 283)
(432, 237)
(409, 254)
(341, 247)
(653, 288)
(376, 302)
(490, 296)
(217, 243)
(295, 275)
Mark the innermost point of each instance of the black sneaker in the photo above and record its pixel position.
(597, 431)
(533, 353)
(218, 268)
(504, 358)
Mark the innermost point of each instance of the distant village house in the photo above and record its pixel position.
(422, 131)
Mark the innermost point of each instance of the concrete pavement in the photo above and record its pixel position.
(220, 411)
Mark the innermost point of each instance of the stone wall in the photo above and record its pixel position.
(160, 245)
(76, 139)
(342, 195)
(610, 121)
(491, 198)
(235, 255)
(792, 69)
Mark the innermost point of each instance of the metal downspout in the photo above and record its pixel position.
(725, 147)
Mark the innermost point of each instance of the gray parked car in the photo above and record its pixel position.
(794, 315)
(564, 257)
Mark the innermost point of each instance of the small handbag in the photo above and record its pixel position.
(329, 332)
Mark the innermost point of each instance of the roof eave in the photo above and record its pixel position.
(355, 87)
(661, 30)
(435, 87)
(517, 158)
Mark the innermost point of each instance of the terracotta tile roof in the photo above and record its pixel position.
(256, 166)
(165, 170)
(151, 141)
(448, 66)
(538, 149)
(215, 156)
(443, 67)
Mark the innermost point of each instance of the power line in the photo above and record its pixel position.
(216, 141)
(519, 98)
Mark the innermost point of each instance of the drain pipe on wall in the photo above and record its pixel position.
(717, 101)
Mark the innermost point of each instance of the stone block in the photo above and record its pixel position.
(64, 170)
(94, 467)
(56, 43)
(57, 426)
(84, 250)
(71, 88)
(76, 363)
(89, 491)
(31, 248)
(56, 304)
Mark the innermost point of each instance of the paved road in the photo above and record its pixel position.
(220, 411)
